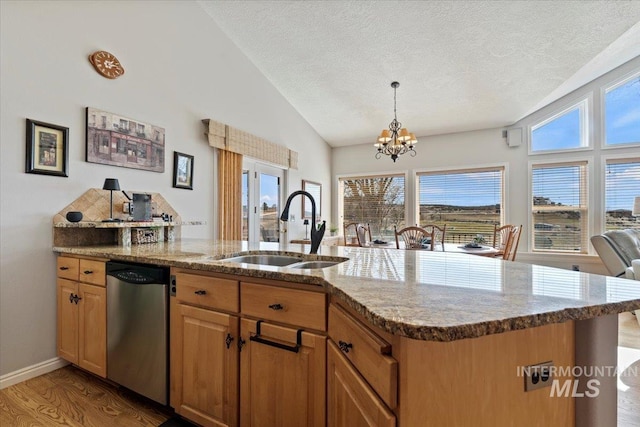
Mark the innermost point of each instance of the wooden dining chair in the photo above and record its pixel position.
(412, 237)
(501, 235)
(351, 234)
(363, 233)
(512, 244)
(436, 235)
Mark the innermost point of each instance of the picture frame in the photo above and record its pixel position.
(47, 149)
(116, 140)
(182, 171)
(315, 189)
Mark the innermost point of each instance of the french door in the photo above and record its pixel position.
(261, 202)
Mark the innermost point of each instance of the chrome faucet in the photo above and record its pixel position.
(316, 232)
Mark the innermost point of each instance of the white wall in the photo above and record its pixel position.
(179, 69)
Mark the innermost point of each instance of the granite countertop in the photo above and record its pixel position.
(436, 296)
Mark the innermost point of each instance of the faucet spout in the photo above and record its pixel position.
(317, 233)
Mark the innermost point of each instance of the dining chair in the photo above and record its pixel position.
(413, 237)
(436, 235)
(512, 244)
(501, 235)
(351, 234)
(363, 232)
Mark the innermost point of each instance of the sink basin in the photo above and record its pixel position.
(314, 264)
(274, 260)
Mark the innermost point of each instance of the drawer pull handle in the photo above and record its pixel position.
(276, 307)
(64, 268)
(229, 340)
(200, 292)
(345, 346)
(88, 272)
(292, 348)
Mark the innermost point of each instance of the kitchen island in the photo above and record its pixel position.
(459, 326)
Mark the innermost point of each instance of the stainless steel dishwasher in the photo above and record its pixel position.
(137, 328)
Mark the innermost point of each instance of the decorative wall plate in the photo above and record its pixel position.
(106, 64)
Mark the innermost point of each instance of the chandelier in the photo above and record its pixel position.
(396, 140)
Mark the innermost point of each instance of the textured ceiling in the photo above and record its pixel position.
(462, 65)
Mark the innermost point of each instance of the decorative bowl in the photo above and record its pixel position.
(74, 216)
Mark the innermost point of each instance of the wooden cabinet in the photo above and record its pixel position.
(362, 377)
(350, 400)
(206, 369)
(82, 313)
(204, 348)
(282, 376)
(239, 355)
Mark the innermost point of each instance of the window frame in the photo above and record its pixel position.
(612, 85)
(605, 161)
(589, 182)
(585, 107)
(340, 194)
(502, 167)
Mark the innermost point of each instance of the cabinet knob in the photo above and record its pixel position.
(88, 272)
(345, 346)
(229, 340)
(71, 298)
(276, 307)
(200, 292)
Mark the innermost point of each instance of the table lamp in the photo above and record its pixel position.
(112, 185)
(306, 229)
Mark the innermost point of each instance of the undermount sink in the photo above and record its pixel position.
(274, 260)
(314, 264)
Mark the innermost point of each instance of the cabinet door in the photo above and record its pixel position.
(67, 339)
(350, 400)
(92, 324)
(206, 369)
(280, 387)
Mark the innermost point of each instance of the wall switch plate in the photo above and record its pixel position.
(126, 207)
(537, 376)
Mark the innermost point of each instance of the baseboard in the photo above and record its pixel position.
(32, 371)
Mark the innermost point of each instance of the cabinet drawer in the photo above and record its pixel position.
(207, 291)
(367, 351)
(68, 267)
(93, 272)
(295, 307)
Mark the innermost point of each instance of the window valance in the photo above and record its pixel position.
(228, 138)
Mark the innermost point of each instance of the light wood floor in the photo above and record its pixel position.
(71, 397)
(629, 385)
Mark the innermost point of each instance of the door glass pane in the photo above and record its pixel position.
(269, 208)
(245, 205)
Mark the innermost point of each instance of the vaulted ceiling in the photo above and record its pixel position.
(462, 65)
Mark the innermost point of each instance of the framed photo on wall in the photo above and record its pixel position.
(47, 149)
(182, 171)
(315, 189)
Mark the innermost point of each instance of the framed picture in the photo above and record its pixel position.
(117, 140)
(315, 189)
(47, 149)
(182, 171)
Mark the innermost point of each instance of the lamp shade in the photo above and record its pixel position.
(111, 184)
(636, 206)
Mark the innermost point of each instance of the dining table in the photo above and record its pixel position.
(482, 250)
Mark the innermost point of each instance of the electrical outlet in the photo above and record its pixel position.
(537, 376)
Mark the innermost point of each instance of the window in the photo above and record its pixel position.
(564, 131)
(622, 112)
(374, 200)
(469, 202)
(622, 185)
(559, 207)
